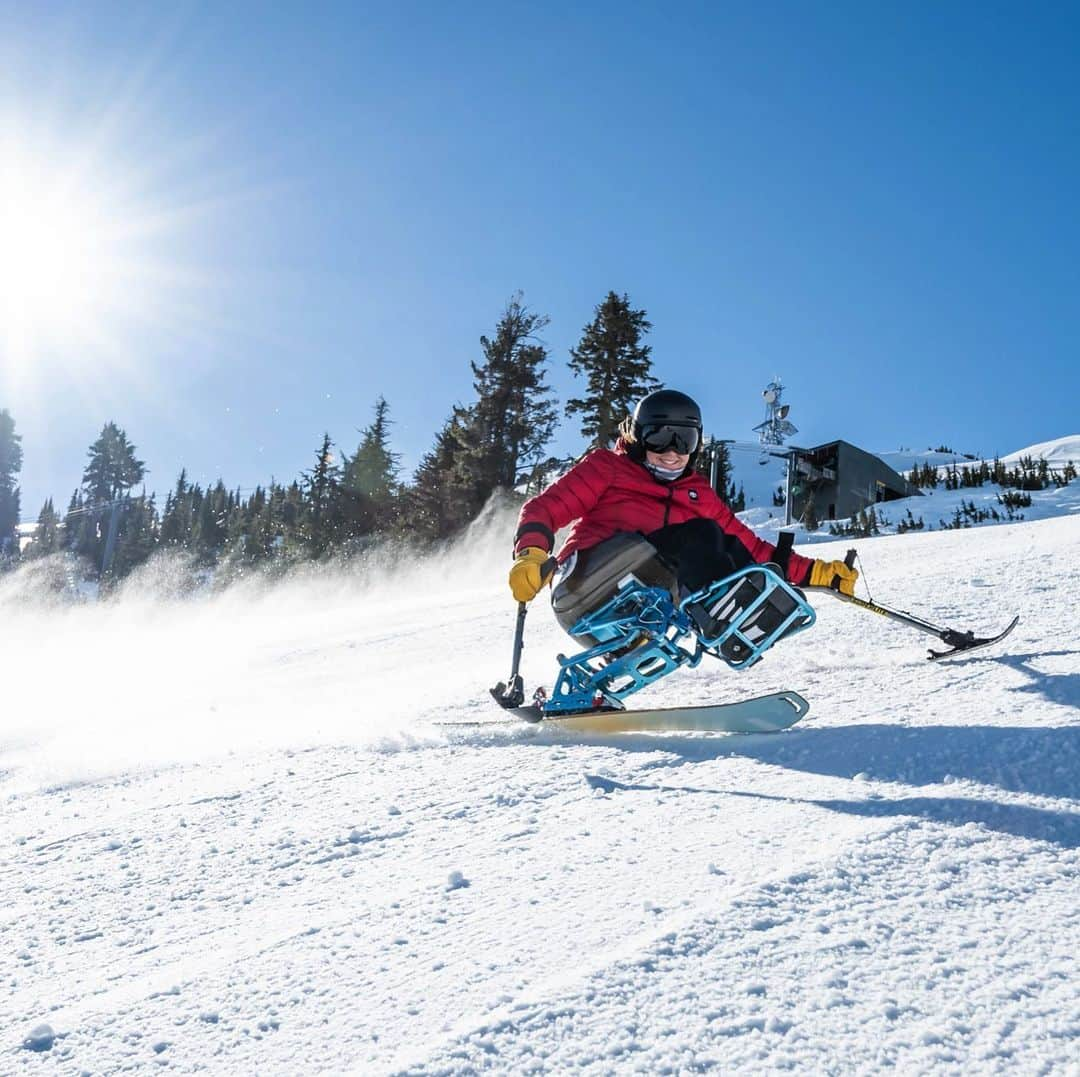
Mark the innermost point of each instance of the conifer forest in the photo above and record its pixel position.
(352, 497)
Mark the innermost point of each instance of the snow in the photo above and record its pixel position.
(906, 459)
(1057, 452)
(935, 506)
(238, 841)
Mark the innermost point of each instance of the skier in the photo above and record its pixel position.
(642, 508)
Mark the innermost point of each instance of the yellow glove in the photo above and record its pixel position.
(530, 571)
(823, 573)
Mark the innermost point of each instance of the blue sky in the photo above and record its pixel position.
(875, 202)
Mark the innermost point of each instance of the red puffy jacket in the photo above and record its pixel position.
(608, 492)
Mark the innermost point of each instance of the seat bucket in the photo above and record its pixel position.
(590, 577)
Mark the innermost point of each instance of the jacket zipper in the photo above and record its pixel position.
(667, 503)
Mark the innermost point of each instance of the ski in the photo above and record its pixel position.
(963, 642)
(760, 714)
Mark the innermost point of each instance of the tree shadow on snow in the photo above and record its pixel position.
(1063, 688)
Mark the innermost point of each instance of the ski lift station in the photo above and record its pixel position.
(838, 480)
(834, 481)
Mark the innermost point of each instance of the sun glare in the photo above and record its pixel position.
(103, 232)
(52, 261)
(62, 271)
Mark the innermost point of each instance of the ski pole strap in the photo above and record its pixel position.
(784, 542)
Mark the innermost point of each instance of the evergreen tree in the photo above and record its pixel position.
(505, 432)
(111, 471)
(291, 519)
(46, 538)
(77, 529)
(258, 530)
(374, 468)
(11, 458)
(178, 519)
(436, 504)
(323, 500)
(369, 483)
(138, 535)
(617, 368)
(716, 451)
(113, 468)
(211, 513)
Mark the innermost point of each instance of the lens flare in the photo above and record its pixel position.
(102, 235)
(65, 273)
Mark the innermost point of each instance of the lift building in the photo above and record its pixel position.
(840, 480)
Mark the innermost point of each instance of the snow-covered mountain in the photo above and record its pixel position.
(238, 841)
(1057, 453)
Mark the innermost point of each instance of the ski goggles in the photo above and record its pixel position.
(683, 439)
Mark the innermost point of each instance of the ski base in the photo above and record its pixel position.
(968, 643)
(760, 714)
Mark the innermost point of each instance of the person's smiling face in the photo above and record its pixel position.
(669, 459)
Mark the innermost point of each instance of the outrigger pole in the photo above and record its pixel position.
(953, 638)
(511, 692)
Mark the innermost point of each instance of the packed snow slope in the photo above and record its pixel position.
(236, 840)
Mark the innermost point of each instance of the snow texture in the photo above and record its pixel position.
(237, 841)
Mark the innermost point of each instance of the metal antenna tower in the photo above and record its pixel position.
(776, 429)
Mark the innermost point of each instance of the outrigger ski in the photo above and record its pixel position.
(958, 642)
(962, 642)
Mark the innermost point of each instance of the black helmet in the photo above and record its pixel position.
(665, 409)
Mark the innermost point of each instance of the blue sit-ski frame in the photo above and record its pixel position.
(643, 636)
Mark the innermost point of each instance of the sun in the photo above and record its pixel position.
(65, 275)
(116, 226)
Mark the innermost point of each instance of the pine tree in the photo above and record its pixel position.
(369, 482)
(292, 519)
(436, 505)
(113, 468)
(616, 365)
(716, 452)
(211, 514)
(110, 473)
(505, 432)
(258, 532)
(76, 527)
(11, 458)
(46, 538)
(323, 482)
(178, 519)
(138, 535)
